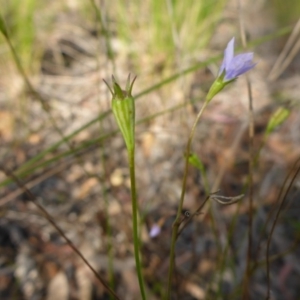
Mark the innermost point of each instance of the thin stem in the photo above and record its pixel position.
(104, 30)
(177, 221)
(108, 226)
(251, 192)
(283, 201)
(247, 277)
(136, 240)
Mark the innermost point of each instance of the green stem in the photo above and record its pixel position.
(177, 221)
(136, 241)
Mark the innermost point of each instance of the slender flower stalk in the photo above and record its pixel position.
(177, 222)
(123, 108)
(231, 68)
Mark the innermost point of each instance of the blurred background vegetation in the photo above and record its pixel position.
(57, 135)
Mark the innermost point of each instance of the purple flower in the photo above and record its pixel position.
(234, 66)
(155, 231)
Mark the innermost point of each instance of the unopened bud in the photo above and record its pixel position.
(123, 107)
(279, 116)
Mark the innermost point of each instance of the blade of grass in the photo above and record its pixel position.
(104, 31)
(22, 170)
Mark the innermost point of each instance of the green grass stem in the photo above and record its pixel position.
(135, 223)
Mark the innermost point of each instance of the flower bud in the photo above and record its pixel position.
(279, 116)
(196, 162)
(123, 108)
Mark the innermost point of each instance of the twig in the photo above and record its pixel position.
(288, 53)
(34, 182)
(190, 217)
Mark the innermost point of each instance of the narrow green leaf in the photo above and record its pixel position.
(3, 28)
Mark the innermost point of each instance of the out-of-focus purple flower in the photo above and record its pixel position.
(234, 66)
(155, 231)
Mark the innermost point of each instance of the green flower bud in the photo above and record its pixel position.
(279, 116)
(196, 162)
(123, 108)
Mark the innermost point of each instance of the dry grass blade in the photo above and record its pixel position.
(289, 185)
(229, 200)
(33, 183)
(288, 53)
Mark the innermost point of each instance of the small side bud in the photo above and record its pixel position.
(279, 116)
(123, 107)
(196, 162)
